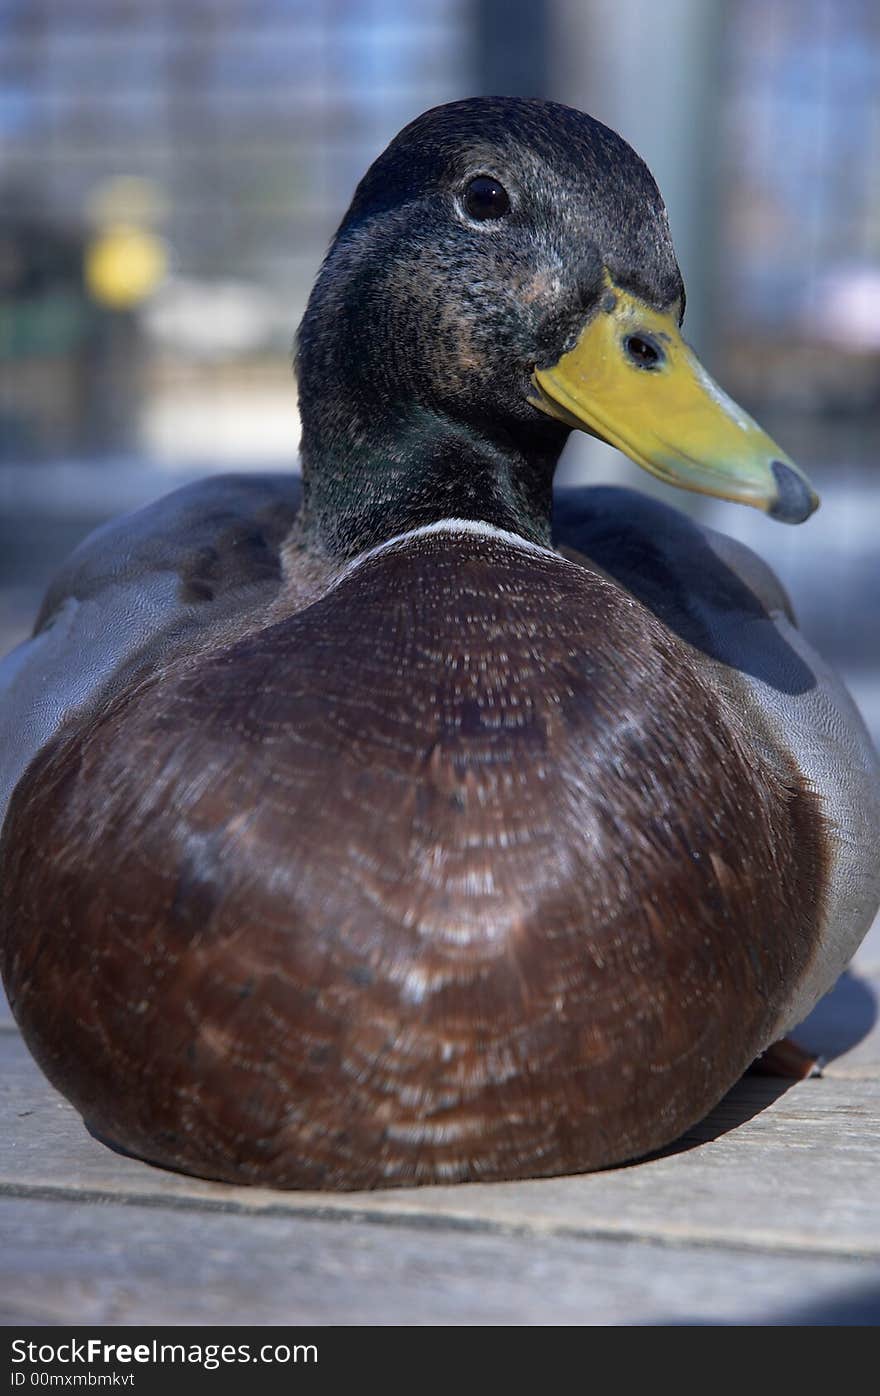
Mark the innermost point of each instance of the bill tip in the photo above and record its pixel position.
(795, 501)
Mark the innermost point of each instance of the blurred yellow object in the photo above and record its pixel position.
(124, 264)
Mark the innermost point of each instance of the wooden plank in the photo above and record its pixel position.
(65, 1262)
(774, 1167)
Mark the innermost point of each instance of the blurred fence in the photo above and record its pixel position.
(799, 257)
(228, 135)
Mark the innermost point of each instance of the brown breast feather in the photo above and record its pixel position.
(460, 872)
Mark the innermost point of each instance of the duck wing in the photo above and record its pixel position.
(137, 592)
(727, 604)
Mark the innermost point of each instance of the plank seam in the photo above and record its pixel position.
(432, 1221)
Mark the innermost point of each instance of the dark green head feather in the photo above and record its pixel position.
(417, 347)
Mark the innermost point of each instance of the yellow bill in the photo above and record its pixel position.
(633, 381)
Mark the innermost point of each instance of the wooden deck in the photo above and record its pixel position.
(768, 1212)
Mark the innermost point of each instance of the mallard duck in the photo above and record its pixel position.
(426, 826)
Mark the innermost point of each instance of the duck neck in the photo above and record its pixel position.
(373, 482)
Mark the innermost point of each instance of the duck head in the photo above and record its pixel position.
(504, 274)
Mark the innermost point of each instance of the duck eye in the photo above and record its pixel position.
(486, 198)
(642, 351)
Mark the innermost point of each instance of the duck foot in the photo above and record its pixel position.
(786, 1059)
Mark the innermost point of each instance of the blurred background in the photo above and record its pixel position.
(171, 173)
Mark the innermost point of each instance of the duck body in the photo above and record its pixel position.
(376, 835)
(460, 899)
